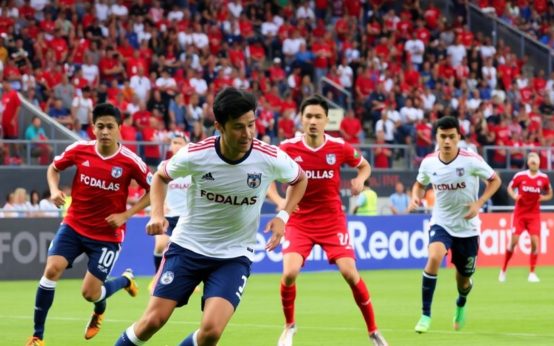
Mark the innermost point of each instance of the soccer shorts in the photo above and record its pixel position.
(336, 244)
(172, 220)
(464, 250)
(531, 224)
(182, 270)
(70, 244)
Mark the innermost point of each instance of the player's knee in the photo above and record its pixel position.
(153, 322)
(289, 276)
(209, 334)
(89, 294)
(53, 271)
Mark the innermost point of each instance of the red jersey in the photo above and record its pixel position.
(321, 205)
(530, 189)
(100, 188)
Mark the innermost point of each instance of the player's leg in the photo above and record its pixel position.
(160, 243)
(179, 275)
(157, 313)
(464, 255)
(65, 247)
(296, 247)
(439, 243)
(223, 291)
(96, 288)
(348, 270)
(518, 226)
(534, 229)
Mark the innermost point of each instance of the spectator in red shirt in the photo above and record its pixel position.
(129, 133)
(287, 128)
(382, 154)
(351, 128)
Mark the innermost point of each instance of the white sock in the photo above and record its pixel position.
(102, 294)
(133, 337)
(46, 283)
(195, 338)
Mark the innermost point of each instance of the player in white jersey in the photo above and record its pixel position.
(454, 174)
(214, 241)
(175, 201)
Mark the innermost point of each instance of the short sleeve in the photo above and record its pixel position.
(286, 170)
(142, 174)
(482, 169)
(352, 156)
(178, 165)
(423, 173)
(67, 158)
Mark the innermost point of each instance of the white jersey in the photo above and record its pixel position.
(456, 184)
(225, 198)
(176, 198)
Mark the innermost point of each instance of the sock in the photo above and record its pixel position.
(507, 257)
(462, 295)
(157, 260)
(129, 338)
(191, 339)
(100, 303)
(43, 301)
(288, 295)
(115, 284)
(534, 257)
(427, 290)
(362, 298)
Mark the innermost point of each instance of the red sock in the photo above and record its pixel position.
(507, 257)
(534, 257)
(288, 295)
(361, 296)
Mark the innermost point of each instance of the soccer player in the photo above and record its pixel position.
(95, 222)
(319, 218)
(175, 201)
(533, 187)
(454, 174)
(214, 240)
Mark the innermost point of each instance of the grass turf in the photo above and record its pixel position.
(513, 313)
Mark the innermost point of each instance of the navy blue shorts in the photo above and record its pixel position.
(464, 250)
(182, 270)
(70, 244)
(172, 223)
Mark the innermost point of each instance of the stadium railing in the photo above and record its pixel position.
(345, 95)
(540, 55)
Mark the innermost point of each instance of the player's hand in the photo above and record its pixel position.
(58, 197)
(415, 202)
(156, 225)
(473, 210)
(116, 220)
(356, 186)
(277, 227)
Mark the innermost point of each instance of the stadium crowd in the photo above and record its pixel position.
(162, 63)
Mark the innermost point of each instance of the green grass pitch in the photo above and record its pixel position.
(512, 313)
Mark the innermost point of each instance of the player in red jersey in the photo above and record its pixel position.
(533, 187)
(95, 222)
(319, 218)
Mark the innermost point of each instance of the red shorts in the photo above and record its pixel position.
(336, 244)
(531, 224)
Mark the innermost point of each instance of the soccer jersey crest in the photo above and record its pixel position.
(331, 159)
(460, 171)
(254, 180)
(117, 172)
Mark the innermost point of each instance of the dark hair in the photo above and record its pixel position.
(446, 123)
(232, 103)
(315, 100)
(106, 109)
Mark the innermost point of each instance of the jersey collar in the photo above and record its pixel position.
(231, 162)
(449, 162)
(314, 149)
(107, 157)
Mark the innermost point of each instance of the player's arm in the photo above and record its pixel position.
(294, 194)
(547, 196)
(117, 220)
(53, 178)
(512, 192)
(418, 192)
(492, 185)
(357, 183)
(274, 196)
(158, 191)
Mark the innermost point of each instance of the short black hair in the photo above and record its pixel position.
(232, 103)
(315, 100)
(446, 123)
(106, 109)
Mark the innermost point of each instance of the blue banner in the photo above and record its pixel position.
(380, 242)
